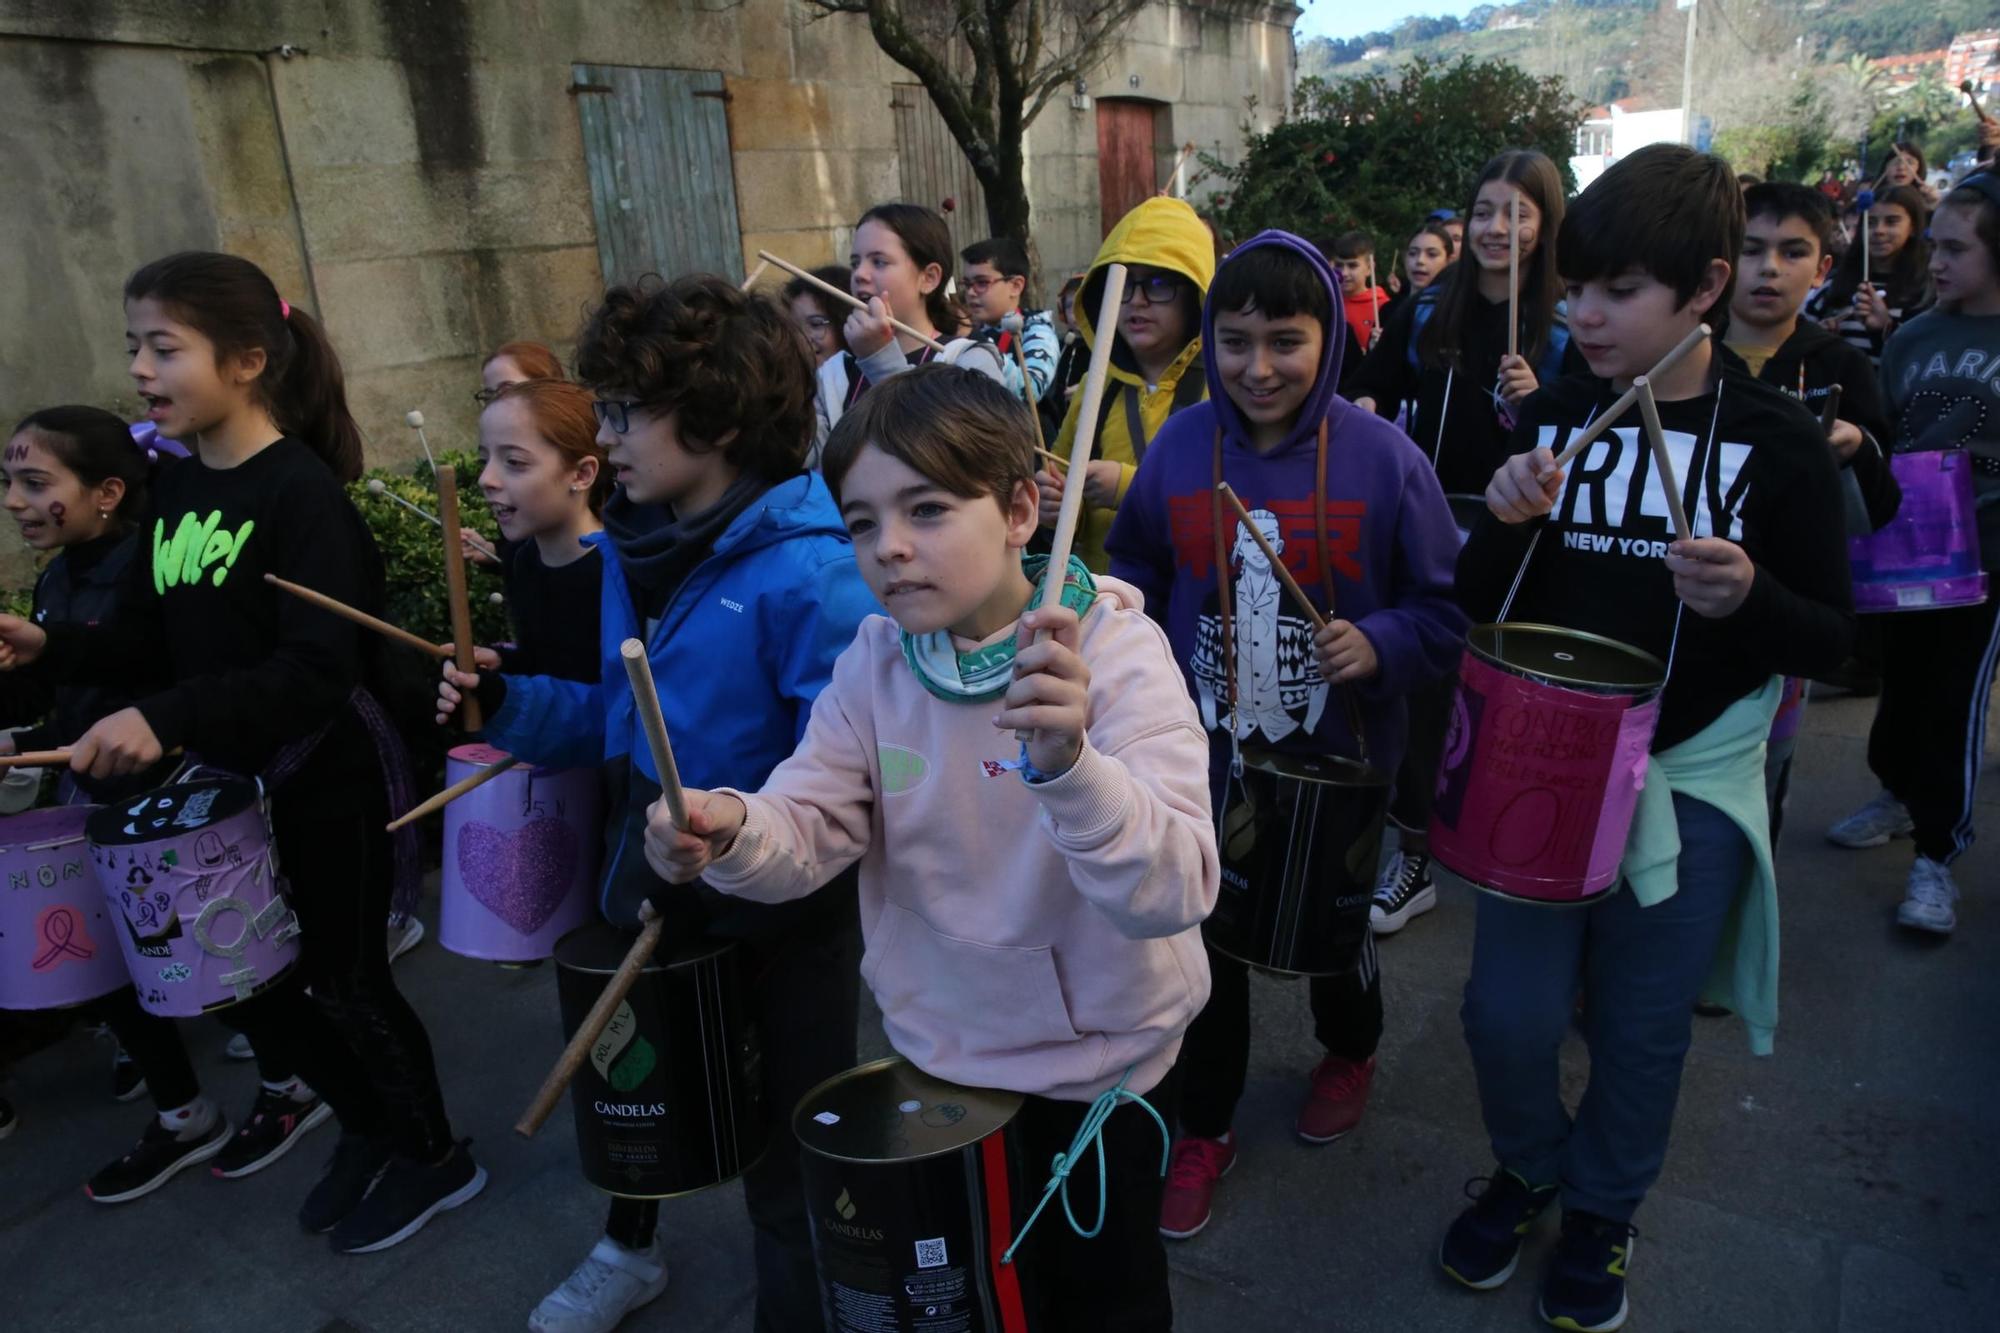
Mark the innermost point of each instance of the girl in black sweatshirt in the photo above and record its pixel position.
(265, 684)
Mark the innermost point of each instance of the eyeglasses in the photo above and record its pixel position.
(616, 413)
(1160, 288)
(978, 286)
(818, 323)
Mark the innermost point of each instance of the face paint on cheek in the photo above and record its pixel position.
(16, 452)
(56, 512)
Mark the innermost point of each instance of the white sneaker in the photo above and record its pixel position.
(608, 1285)
(239, 1047)
(404, 938)
(1929, 899)
(1404, 891)
(1873, 824)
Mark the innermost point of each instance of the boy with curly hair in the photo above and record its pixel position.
(722, 551)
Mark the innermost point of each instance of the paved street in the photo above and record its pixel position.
(1847, 1183)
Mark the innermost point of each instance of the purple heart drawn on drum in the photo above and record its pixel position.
(521, 877)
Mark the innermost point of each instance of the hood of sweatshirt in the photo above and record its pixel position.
(1160, 233)
(1323, 402)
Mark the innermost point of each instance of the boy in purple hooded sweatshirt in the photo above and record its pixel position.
(1291, 448)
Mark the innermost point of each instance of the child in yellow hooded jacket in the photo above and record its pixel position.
(1156, 364)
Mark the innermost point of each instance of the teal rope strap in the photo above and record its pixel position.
(1090, 1134)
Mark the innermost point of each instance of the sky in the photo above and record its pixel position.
(1351, 18)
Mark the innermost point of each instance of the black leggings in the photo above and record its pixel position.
(355, 1039)
(155, 1045)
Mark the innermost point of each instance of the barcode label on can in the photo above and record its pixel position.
(930, 1253)
(1918, 596)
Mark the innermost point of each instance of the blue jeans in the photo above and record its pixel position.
(1640, 970)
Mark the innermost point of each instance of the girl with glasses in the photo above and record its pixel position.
(817, 314)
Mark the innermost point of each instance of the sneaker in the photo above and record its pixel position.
(609, 1284)
(277, 1121)
(7, 1118)
(127, 1082)
(1584, 1287)
(161, 1154)
(1337, 1097)
(1873, 824)
(405, 937)
(1197, 1165)
(1405, 891)
(350, 1173)
(1483, 1243)
(409, 1194)
(1929, 898)
(239, 1047)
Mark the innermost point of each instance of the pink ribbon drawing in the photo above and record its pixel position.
(60, 928)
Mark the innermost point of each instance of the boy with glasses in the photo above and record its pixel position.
(995, 281)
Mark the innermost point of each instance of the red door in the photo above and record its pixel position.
(1124, 158)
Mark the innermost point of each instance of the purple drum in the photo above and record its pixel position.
(58, 943)
(193, 885)
(520, 858)
(1928, 555)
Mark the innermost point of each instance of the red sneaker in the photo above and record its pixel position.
(1338, 1096)
(1197, 1165)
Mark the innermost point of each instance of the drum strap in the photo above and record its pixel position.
(1444, 413)
(1090, 1134)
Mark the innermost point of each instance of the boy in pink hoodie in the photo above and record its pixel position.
(1030, 907)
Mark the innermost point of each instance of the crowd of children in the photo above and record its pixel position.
(1002, 798)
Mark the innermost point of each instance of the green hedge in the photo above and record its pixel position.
(413, 550)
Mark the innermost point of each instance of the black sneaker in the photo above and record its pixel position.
(1584, 1287)
(409, 1194)
(277, 1121)
(161, 1153)
(1484, 1242)
(7, 1118)
(127, 1083)
(1404, 891)
(351, 1172)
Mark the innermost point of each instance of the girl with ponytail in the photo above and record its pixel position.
(264, 684)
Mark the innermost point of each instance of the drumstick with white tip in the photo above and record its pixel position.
(848, 297)
(452, 793)
(1650, 411)
(380, 490)
(1018, 326)
(1700, 333)
(646, 699)
(415, 421)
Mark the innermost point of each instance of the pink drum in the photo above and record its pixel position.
(520, 858)
(1928, 555)
(1544, 755)
(1791, 710)
(58, 944)
(190, 874)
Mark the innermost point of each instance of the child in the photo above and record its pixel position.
(1786, 250)
(1428, 255)
(996, 275)
(1459, 323)
(902, 253)
(1928, 742)
(1761, 590)
(78, 485)
(725, 554)
(1294, 450)
(511, 363)
(818, 315)
(1353, 258)
(1898, 286)
(1156, 365)
(269, 685)
(1037, 932)
(1071, 364)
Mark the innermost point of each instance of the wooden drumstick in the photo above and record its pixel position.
(35, 759)
(1514, 273)
(646, 698)
(1056, 459)
(848, 297)
(1662, 462)
(1831, 412)
(1173, 185)
(1018, 326)
(358, 616)
(755, 274)
(454, 582)
(452, 793)
(1222, 488)
(593, 1027)
(1698, 334)
(1972, 95)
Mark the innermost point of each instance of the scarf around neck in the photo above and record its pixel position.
(986, 671)
(659, 549)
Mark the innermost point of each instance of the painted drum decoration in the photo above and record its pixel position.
(671, 1099)
(192, 880)
(1928, 555)
(1544, 756)
(1300, 838)
(914, 1189)
(520, 858)
(58, 942)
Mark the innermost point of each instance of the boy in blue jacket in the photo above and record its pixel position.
(731, 563)
(1302, 459)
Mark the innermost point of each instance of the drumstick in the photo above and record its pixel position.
(454, 583)
(593, 1027)
(1017, 326)
(1514, 274)
(415, 421)
(1222, 488)
(848, 297)
(35, 759)
(359, 617)
(380, 490)
(1699, 333)
(647, 700)
(1972, 96)
(452, 793)
(1057, 459)
(755, 274)
(1831, 412)
(1650, 410)
(1173, 175)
